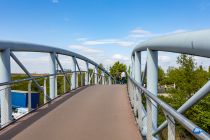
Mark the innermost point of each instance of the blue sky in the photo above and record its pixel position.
(103, 30)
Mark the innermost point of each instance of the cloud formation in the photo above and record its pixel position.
(85, 49)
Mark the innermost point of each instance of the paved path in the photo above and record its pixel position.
(94, 113)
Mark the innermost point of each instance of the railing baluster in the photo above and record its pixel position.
(5, 92)
(149, 119)
(64, 84)
(171, 126)
(29, 96)
(152, 85)
(53, 78)
(45, 90)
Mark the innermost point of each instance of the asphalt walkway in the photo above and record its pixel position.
(93, 113)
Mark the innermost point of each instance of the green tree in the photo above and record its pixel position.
(188, 79)
(99, 70)
(161, 75)
(117, 69)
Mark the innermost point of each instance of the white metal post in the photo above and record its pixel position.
(29, 96)
(74, 75)
(77, 81)
(64, 84)
(53, 78)
(132, 75)
(45, 90)
(152, 85)
(56, 86)
(110, 80)
(87, 74)
(139, 97)
(5, 76)
(171, 126)
(103, 78)
(96, 75)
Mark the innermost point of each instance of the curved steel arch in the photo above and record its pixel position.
(194, 43)
(29, 47)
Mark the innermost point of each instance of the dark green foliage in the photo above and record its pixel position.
(161, 75)
(117, 69)
(188, 79)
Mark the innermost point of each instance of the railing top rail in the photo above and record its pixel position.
(194, 43)
(187, 124)
(29, 47)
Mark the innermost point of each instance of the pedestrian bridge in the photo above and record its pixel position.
(92, 106)
(100, 112)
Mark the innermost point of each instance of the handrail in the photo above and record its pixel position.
(29, 47)
(186, 123)
(7, 49)
(194, 43)
(39, 77)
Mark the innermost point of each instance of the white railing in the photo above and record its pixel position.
(69, 77)
(194, 43)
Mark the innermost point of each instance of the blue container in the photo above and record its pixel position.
(20, 99)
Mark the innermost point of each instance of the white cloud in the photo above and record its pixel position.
(140, 33)
(120, 57)
(118, 42)
(85, 49)
(81, 39)
(164, 58)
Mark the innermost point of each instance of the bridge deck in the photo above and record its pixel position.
(93, 113)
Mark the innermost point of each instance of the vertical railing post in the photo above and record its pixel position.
(64, 84)
(29, 96)
(152, 85)
(45, 90)
(171, 126)
(5, 92)
(74, 75)
(70, 75)
(132, 75)
(103, 81)
(52, 78)
(139, 97)
(56, 85)
(77, 80)
(87, 74)
(110, 80)
(96, 75)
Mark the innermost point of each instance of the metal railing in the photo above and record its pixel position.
(73, 79)
(171, 115)
(146, 112)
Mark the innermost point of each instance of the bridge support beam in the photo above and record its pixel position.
(45, 90)
(103, 78)
(5, 74)
(152, 85)
(110, 80)
(132, 75)
(29, 96)
(74, 75)
(53, 81)
(96, 75)
(139, 105)
(87, 74)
